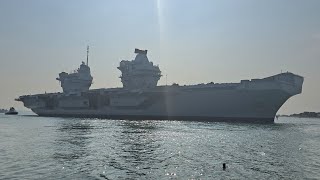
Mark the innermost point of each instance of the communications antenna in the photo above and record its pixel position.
(87, 55)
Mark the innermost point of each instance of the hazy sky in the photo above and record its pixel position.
(193, 41)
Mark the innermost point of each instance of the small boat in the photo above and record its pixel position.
(11, 111)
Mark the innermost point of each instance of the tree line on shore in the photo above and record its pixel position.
(305, 114)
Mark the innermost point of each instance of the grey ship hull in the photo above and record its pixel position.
(249, 101)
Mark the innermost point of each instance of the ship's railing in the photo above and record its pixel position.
(211, 85)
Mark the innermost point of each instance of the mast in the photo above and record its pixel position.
(87, 55)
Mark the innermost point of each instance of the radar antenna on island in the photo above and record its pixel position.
(87, 55)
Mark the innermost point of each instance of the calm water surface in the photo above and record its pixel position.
(34, 147)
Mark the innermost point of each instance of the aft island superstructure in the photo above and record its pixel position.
(140, 97)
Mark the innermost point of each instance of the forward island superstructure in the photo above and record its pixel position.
(78, 81)
(140, 98)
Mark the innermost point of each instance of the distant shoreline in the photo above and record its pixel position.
(3, 110)
(303, 115)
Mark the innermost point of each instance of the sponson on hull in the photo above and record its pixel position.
(140, 98)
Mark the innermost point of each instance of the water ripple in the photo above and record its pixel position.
(33, 147)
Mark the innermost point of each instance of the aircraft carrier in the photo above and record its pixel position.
(255, 100)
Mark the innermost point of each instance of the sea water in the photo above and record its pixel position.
(33, 147)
